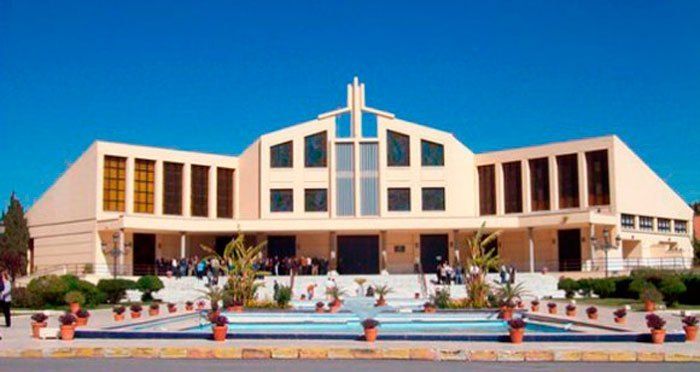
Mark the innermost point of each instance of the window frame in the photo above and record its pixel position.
(390, 162)
(487, 198)
(114, 184)
(423, 199)
(225, 195)
(389, 199)
(513, 197)
(199, 191)
(423, 158)
(172, 197)
(663, 225)
(274, 148)
(308, 192)
(642, 225)
(144, 186)
(623, 217)
(272, 204)
(683, 223)
(324, 150)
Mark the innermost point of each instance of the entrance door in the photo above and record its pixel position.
(569, 250)
(221, 242)
(144, 254)
(433, 250)
(358, 254)
(281, 246)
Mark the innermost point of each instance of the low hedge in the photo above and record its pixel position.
(114, 290)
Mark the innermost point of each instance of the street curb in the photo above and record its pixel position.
(369, 353)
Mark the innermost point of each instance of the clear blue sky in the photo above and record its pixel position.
(211, 76)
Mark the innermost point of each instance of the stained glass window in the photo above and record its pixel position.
(144, 171)
(315, 200)
(433, 198)
(282, 155)
(432, 154)
(398, 149)
(281, 200)
(399, 199)
(172, 188)
(224, 192)
(199, 188)
(114, 183)
(315, 150)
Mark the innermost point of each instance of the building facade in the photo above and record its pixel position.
(369, 192)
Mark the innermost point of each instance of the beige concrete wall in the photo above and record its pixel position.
(401, 262)
(248, 183)
(313, 245)
(74, 246)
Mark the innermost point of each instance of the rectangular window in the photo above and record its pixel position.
(114, 184)
(680, 226)
(513, 187)
(487, 190)
(172, 188)
(567, 166)
(627, 221)
(399, 199)
(316, 200)
(200, 191)
(315, 150)
(345, 179)
(144, 171)
(539, 184)
(281, 200)
(433, 199)
(646, 223)
(282, 155)
(398, 152)
(432, 154)
(663, 225)
(224, 192)
(598, 177)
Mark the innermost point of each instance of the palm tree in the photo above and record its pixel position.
(508, 293)
(482, 260)
(381, 291)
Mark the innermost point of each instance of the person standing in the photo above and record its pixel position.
(6, 297)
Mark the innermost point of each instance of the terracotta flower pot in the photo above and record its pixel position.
(67, 332)
(219, 333)
(370, 334)
(516, 335)
(189, 307)
(200, 307)
(429, 310)
(153, 312)
(36, 327)
(81, 321)
(506, 313)
(380, 302)
(534, 308)
(649, 306)
(118, 317)
(552, 310)
(172, 310)
(658, 336)
(74, 307)
(237, 309)
(320, 310)
(593, 316)
(691, 333)
(521, 305)
(570, 312)
(135, 314)
(620, 320)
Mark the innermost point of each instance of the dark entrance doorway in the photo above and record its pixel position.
(281, 246)
(144, 254)
(433, 250)
(358, 254)
(569, 250)
(222, 241)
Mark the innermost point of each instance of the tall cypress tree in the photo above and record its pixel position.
(15, 243)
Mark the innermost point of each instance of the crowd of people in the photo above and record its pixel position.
(299, 265)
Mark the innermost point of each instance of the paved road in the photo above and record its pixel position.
(72, 365)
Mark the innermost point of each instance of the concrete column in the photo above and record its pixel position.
(591, 236)
(582, 180)
(553, 183)
(531, 246)
(158, 189)
(212, 192)
(121, 242)
(333, 252)
(183, 245)
(382, 251)
(129, 187)
(186, 189)
(455, 249)
(500, 196)
(527, 205)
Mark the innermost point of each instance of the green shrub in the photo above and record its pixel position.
(74, 297)
(50, 289)
(441, 298)
(692, 284)
(622, 287)
(604, 288)
(283, 296)
(671, 287)
(148, 284)
(25, 299)
(650, 293)
(585, 287)
(114, 290)
(569, 286)
(93, 296)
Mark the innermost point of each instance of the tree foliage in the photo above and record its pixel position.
(14, 243)
(483, 259)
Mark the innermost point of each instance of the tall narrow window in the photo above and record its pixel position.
(487, 190)
(200, 191)
(281, 200)
(433, 198)
(398, 152)
(114, 184)
(567, 166)
(315, 150)
(399, 199)
(172, 188)
(282, 155)
(513, 184)
(432, 154)
(143, 185)
(315, 200)
(598, 177)
(539, 184)
(224, 192)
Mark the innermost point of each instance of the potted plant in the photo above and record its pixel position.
(154, 309)
(508, 296)
(570, 310)
(506, 310)
(690, 325)
(38, 322)
(656, 324)
(335, 293)
(172, 308)
(592, 312)
(81, 317)
(237, 306)
(214, 312)
(219, 326)
(552, 307)
(118, 313)
(382, 291)
(319, 306)
(651, 296)
(136, 311)
(429, 307)
(620, 315)
(370, 327)
(189, 306)
(67, 322)
(74, 299)
(200, 304)
(516, 328)
(535, 306)
(520, 304)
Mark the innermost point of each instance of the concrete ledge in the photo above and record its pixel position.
(368, 353)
